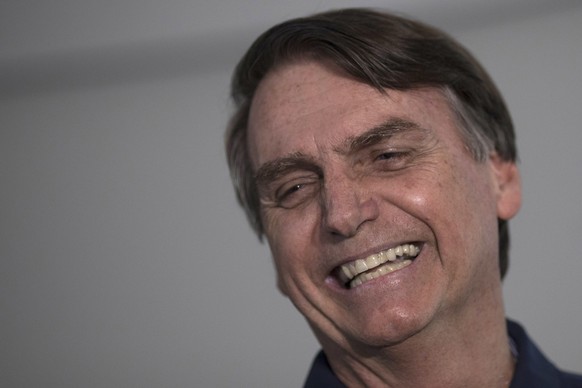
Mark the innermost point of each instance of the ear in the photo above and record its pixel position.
(508, 185)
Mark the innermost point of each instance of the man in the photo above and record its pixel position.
(378, 159)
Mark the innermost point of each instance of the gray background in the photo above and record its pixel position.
(124, 260)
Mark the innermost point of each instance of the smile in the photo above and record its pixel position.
(363, 270)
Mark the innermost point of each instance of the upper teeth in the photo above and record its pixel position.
(350, 270)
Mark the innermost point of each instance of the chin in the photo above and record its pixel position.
(379, 331)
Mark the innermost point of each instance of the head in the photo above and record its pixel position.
(383, 51)
(377, 158)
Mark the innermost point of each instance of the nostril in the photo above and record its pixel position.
(342, 226)
(335, 233)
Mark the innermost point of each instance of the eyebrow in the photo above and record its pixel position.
(276, 168)
(376, 134)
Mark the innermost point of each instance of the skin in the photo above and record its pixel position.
(330, 195)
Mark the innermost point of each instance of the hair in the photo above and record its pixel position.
(384, 51)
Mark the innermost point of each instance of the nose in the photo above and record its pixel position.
(346, 206)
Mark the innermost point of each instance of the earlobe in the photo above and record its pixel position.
(508, 184)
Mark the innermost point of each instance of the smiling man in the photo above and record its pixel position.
(378, 159)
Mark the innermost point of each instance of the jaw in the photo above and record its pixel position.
(379, 311)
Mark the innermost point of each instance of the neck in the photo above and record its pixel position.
(471, 350)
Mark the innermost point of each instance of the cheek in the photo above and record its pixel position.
(285, 228)
(467, 227)
(422, 196)
(290, 236)
(282, 260)
(455, 202)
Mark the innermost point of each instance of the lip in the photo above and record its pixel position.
(334, 276)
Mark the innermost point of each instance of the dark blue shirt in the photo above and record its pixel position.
(533, 369)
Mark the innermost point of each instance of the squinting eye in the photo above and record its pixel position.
(387, 155)
(292, 189)
(393, 155)
(392, 161)
(289, 196)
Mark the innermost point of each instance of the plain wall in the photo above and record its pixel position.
(125, 261)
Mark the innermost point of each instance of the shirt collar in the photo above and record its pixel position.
(532, 368)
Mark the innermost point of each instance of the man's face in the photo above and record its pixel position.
(380, 222)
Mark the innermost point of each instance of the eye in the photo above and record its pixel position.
(292, 190)
(392, 160)
(296, 192)
(387, 156)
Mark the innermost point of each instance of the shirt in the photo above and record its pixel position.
(533, 369)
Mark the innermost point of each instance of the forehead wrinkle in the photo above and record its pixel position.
(376, 134)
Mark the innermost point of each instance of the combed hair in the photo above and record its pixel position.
(384, 51)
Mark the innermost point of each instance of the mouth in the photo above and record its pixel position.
(358, 272)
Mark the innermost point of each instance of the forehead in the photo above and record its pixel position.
(310, 108)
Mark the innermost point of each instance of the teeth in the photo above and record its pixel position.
(373, 261)
(361, 266)
(355, 273)
(383, 270)
(346, 272)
